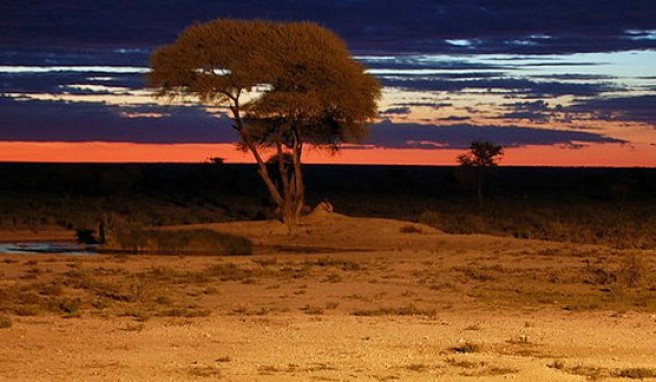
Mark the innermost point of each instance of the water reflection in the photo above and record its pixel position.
(47, 247)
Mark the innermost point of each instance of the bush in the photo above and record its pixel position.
(409, 229)
(431, 218)
(69, 305)
(635, 373)
(5, 322)
(467, 347)
(195, 241)
(632, 270)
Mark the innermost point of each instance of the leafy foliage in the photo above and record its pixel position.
(481, 154)
(480, 159)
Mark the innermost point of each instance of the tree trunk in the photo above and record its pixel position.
(290, 199)
(479, 187)
(299, 202)
(294, 189)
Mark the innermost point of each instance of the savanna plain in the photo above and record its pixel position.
(408, 277)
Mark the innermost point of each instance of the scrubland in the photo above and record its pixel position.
(353, 296)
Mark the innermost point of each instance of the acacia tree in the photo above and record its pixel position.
(481, 158)
(285, 85)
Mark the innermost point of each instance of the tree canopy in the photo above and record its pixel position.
(481, 157)
(481, 154)
(285, 84)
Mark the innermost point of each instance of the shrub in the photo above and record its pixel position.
(557, 364)
(5, 322)
(409, 229)
(467, 347)
(632, 270)
(195, 241)
(185, 312)
(635, 373)
(69, 305)
(431, 218)
(86, 236)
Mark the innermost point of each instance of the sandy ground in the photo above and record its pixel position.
(374, 301)
(40, 235)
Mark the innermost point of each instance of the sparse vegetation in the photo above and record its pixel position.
(268, 369)
(556, 364)
(312, 310)
(632, 270)
(5, 322)
(136, 239)
(635, 373)
(560, 205)
(266, 288)
(465, 364)
(204, 372)
(410, 229)
(599, 373)
(407, 310)
(421, 289)
(416, 367)
(467, 347)
(185, 312)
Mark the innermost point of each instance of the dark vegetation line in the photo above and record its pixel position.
(584, 205)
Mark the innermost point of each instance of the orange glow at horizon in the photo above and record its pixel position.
(601, 155)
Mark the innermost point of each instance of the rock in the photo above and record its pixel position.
(323, 208)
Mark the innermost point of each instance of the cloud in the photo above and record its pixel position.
(452, 118)
(625, 109)
(460, 136)
(56, 82)
(633, 109)
(575, 77)
(517, 86)
(32, 120)
(43, 121)
(433, 105)
(534, 111)
(401, 110)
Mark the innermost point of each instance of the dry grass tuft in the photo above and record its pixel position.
(591, 373)
(204, 372)
(410, 229)
(464, 363)
(5, 322)
(635, 373)
(184, 312)
(312, 310)
(131, 237)
(416, 367)
(467, 347)
(408, 310)
(632, 270)
(556, 364)
(268, 370)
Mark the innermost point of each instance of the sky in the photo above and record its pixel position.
(557, 83)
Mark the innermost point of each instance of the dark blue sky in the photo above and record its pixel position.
(410, 26)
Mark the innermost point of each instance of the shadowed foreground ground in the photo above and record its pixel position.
(378, 300)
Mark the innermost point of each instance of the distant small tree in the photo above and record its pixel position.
(217, 161)
(481, 159)
(285, 85)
